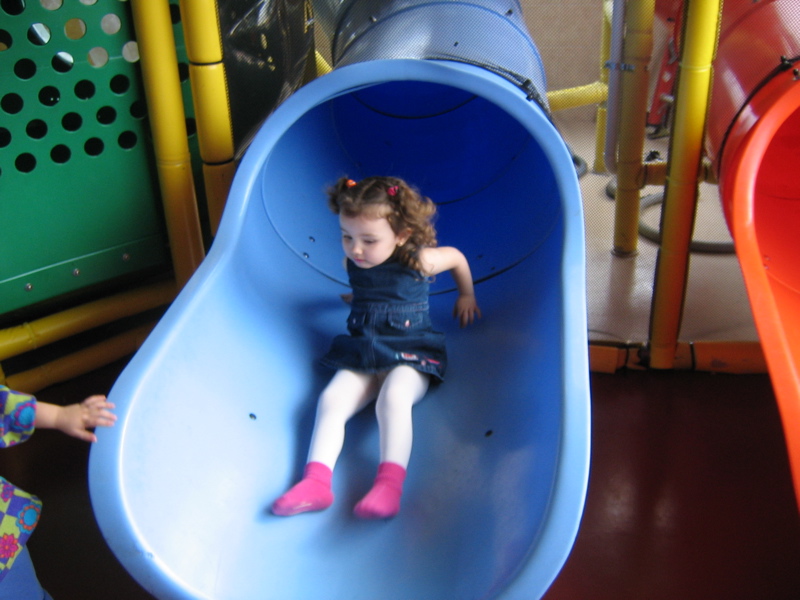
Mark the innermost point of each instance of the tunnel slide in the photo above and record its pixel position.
(216, 409)
(754, 140)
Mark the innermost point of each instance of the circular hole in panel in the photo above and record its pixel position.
(84, 89)
(25, 163)
(75, 29)
(38, 34)
(106, 115)
(110, 24)
(36, 129)
(94, 146)
(88, 2)
(5, 137)
(63, 62)
(60, 154)
(51, 4)
(127, 140)
(120, 84)
(49, 95)
(25, 68)
(98, 57)
(12, 103)
(130, 52)
(71, 121)
(12, 7)
(5, 40)
(191, 126)
(175, 13)
(138, 110)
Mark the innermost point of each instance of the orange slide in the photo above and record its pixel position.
(754, 140)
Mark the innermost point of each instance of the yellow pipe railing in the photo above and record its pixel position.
(78, 363)
(162, 89)
(713, 357)
(680, 196)
(212, 110)
(602, 110)
(584, 95)
(638, 48)
(41, 332)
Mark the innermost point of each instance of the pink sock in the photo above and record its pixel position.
(383, 500)
(313, 492)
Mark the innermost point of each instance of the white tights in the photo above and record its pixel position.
(348, 392)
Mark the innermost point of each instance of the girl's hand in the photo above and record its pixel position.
(466, 309)
(77, 419)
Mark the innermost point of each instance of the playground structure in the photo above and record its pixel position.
(762, 107)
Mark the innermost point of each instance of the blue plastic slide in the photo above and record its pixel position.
(217, 407)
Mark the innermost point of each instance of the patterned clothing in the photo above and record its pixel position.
(389, 323)
(19, 511)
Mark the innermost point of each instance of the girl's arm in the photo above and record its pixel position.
(447, 258)
(76, 419)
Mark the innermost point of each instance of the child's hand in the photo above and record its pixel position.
(77, 419)
(466, 309)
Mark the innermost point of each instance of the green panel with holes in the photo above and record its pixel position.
(79, 200)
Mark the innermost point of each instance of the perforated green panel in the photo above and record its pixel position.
(79, 202)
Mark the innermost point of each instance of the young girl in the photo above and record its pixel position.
(392, 353)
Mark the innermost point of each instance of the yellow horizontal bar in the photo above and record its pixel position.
(41, 332)
(713, 357)
(79, 363)
(722, 357)
(654, 173)
(609, 359)
(593, 93)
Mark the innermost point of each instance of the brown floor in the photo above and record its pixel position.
(690, 496)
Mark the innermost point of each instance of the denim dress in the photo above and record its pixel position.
(389, 323)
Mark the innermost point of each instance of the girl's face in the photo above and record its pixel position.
(369, 241)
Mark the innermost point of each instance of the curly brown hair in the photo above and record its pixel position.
(395, 200)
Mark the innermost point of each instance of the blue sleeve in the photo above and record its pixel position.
(18, 416)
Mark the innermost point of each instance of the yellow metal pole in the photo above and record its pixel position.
(41, 332)
(680, 197)
(201, 31)
(322, 65)
(159, 63)
(214, 135)
(602, 110)
(638, 48)
(210, 94)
